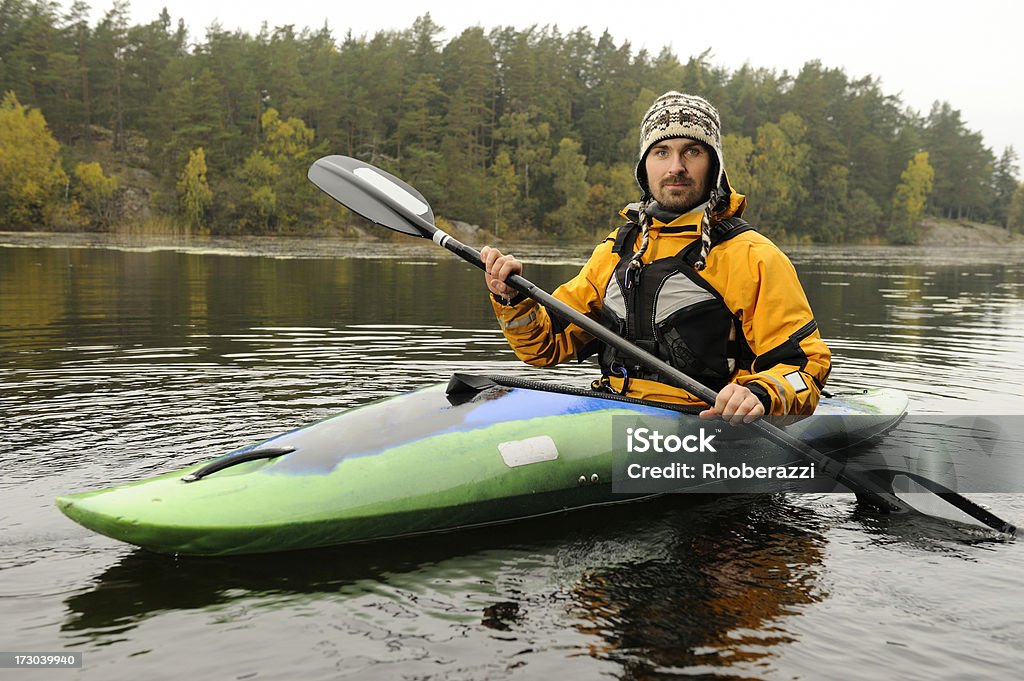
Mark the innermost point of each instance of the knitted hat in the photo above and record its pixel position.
(675, 114)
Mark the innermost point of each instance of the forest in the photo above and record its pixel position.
(526, 132)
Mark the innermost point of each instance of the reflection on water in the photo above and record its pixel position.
(121, 360)
(710, 599)
(644, 594)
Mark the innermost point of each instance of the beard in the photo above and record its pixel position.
(686, 193)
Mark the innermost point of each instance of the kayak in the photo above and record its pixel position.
(475, 451)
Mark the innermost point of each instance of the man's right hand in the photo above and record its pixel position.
(498, 268)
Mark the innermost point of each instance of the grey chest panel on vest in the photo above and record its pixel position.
(675, 292)
(614, 299)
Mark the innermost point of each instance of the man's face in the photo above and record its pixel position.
(677, 173)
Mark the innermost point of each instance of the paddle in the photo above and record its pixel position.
(389, 202)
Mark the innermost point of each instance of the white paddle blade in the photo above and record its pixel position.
(402, 197)
(375, 194)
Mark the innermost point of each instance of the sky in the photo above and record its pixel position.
(970, 54)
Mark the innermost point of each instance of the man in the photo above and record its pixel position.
(686, 280)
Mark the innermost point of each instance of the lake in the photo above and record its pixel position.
(122, 359)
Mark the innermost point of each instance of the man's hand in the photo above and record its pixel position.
(735, 404)
(498, 268)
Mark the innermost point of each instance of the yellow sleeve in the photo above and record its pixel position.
(542, 339)
(791, 360)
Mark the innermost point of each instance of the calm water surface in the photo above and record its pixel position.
(122, 359)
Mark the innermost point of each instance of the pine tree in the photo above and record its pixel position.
(962, 164)
(1004, 185)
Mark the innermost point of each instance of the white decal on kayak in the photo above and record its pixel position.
(530, 450)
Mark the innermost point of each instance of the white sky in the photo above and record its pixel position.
(969, 53)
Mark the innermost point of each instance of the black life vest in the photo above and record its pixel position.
(669, 310)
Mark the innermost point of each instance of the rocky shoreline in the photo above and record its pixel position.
(950, 232)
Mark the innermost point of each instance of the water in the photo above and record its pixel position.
(120, 360)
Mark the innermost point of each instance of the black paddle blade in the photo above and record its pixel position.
(358, 186)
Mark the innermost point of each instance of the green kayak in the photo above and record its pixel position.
(478, 450)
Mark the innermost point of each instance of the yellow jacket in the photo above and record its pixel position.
(755, 280)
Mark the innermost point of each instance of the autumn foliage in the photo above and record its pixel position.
(526, 132)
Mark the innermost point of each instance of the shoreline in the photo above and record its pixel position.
(934, 234)
(961, 232)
